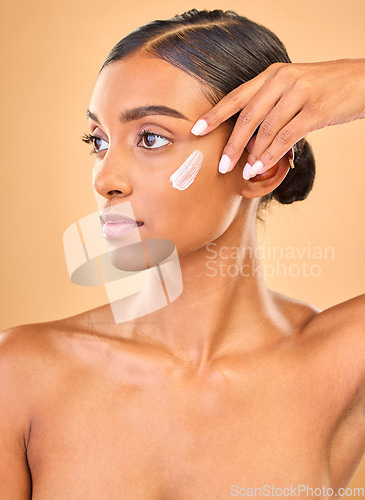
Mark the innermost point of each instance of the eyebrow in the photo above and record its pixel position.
(141, 112)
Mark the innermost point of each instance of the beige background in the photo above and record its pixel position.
(51, 53)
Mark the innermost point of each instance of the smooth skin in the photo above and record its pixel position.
(231, 384)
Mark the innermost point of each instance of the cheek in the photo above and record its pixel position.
(191, 200)
(184, 176)
(195, 204)
(195, 185)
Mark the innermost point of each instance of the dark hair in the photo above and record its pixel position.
(222, 50)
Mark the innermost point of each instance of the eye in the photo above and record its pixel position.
(150, 140)
(95, 141)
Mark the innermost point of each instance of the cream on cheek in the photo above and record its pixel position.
(184, 176)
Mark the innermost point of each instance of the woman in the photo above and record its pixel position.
(231, 386)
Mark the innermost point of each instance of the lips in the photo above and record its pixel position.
(116, 225)
(116, 218)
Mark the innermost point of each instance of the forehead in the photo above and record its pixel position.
(144, 80)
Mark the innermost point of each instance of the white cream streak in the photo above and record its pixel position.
(184, 176)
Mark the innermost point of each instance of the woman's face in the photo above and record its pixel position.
(130, 167)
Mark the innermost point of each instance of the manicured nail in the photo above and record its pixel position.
(199, 127)
(262, 170)
(224, 164)
(246, 174)
(256, 167)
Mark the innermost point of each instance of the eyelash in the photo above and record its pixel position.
(89, 138)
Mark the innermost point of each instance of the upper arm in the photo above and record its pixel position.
(15, 477)
(344, 326)
(348, 443)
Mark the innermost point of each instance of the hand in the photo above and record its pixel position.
(288, 100)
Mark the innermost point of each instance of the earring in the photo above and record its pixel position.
(291, 158)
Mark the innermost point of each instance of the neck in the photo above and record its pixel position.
(225, 305)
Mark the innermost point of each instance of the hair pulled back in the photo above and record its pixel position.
(222, 50)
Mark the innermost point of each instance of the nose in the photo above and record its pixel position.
(111, 176)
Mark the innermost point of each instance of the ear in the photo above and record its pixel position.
(264, 183)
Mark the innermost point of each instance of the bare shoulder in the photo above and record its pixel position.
(334, 338)
(346, 316)
(33, 363)
(22, 373)
(343, 327)
(297, 312)
(31, 356)
(15, 417)
(46, 352)
(332, 347)
(36, 357)
(18, 345)
(340, 331)
(26, 342)
(343, 323)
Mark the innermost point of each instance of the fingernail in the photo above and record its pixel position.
(262, 170)
(246, 174)
(256, 167)
(224, 164)
(199, 127)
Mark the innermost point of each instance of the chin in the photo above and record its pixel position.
(141, 255)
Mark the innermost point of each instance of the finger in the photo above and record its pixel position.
(284, 111)
(295, 130)
(228, 106)
(247, 122)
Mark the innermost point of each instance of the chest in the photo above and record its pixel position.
(165, 440)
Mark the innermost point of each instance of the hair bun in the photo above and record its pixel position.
(299, 181)
(222, 50)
